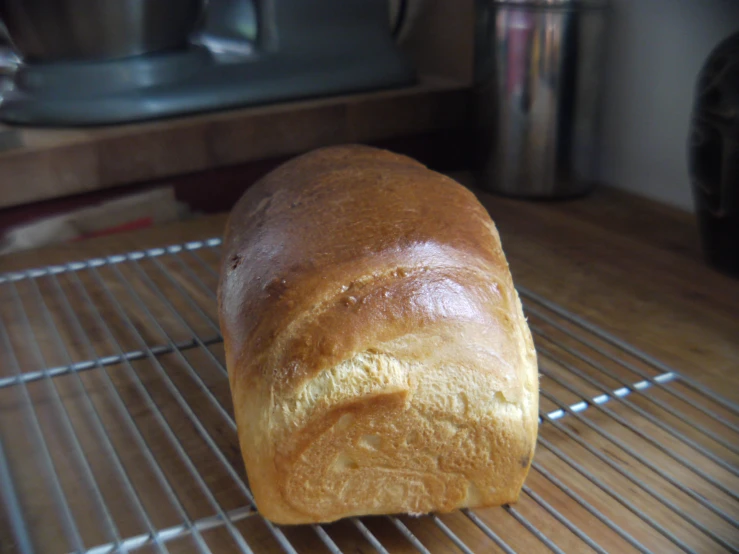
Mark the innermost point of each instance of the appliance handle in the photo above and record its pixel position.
(8, 57)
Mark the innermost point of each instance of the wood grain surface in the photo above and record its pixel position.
(655, 469)
(39, 164)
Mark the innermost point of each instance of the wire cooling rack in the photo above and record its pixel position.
(117, 433)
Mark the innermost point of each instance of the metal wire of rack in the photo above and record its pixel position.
(117, 432)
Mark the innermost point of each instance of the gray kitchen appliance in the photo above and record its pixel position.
(115, 61)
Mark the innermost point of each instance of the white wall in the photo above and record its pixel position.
(655, 50)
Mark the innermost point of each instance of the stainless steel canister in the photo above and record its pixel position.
(538, 67)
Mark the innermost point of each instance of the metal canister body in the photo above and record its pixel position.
(539, 87)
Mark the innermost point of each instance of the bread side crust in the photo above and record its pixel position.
(390, 437)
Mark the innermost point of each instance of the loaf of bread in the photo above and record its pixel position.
(378, 355)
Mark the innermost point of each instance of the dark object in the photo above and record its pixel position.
(714, 156)
(538, 70)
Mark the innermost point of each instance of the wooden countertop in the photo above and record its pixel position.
(40, 164)
(629, 265)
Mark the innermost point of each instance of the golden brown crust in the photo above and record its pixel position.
(378, 355)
